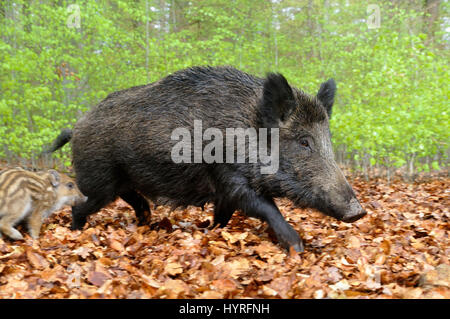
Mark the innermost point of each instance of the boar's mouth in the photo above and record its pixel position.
(355, 212)
(354, 218)
(349, 214)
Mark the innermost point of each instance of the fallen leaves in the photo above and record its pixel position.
(173, 289)
(438, 276)
(399, 250)
(173, 268)
(237, 267)
(97, 278)
(36, 260)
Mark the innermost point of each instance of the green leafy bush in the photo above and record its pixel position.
(392, 104)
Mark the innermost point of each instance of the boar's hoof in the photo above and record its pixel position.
(77, 223)
(293, 240)
(299, 247)
(144, 218)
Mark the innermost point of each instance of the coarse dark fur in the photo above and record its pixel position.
(122, 147)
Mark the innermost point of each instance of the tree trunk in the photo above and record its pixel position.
(431, 18)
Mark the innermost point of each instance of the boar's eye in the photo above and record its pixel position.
(304, 142)
(70, 185)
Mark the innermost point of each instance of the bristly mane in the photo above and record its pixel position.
(309, 109)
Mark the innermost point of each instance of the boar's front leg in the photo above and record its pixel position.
(238, 193)
(223, 210)
(82, 211)
(265, 209)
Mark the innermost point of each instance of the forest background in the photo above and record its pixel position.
(389, 59)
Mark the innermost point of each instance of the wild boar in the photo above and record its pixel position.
(137, 142)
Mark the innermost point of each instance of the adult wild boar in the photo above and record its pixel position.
(124, 147)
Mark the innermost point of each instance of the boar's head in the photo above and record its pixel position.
(308, 173)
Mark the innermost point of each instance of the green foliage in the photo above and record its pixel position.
(396, 99)
(392, 103)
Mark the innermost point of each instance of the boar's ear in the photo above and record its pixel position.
(54, 177)
(326, 95)
(278, 100)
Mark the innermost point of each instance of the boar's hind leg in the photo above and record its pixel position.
(140, 206)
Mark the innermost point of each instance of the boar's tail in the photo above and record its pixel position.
(62, 139)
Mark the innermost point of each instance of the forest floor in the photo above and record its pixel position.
(399, 250)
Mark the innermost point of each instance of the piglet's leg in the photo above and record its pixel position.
(35, 222)
(7, 227)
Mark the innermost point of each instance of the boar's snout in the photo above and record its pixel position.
(80, 200)
(355, 212)
(337, 199)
